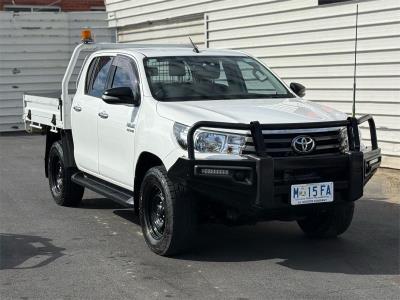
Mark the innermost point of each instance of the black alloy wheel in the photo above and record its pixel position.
(155, 212)
(57, 176)
(167, 213)
(64, 191)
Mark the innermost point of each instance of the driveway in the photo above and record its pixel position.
(97, 251)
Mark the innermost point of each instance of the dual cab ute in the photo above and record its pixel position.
(187, 136)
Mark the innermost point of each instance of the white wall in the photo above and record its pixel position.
(34, 52)
(300, 40)
(166, 31)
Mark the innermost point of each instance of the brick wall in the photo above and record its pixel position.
(66, 5)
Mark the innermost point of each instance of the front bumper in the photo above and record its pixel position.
(262, 183)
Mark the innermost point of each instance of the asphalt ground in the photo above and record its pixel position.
(96, 251)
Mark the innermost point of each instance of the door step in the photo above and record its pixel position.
(109, 190)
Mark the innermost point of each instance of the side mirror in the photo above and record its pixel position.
(298, 89)
(120, 95)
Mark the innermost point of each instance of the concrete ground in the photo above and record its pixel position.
(97, 251)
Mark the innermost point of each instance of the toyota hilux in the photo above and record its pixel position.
(186, 136)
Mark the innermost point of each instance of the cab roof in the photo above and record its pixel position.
(182, 51)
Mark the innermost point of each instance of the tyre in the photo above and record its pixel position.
(64, 191)
(330, 223)
(167, 214)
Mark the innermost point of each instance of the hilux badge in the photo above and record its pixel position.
(303, 144)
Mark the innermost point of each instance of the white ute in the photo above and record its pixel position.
(186, 136)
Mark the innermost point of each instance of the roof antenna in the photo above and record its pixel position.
(355, 66)
(195, 49)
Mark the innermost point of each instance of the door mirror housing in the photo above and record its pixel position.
(120, 95)
(298, 89)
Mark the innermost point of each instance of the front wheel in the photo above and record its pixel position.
(331, 223)
(64, 191)
(166, 213)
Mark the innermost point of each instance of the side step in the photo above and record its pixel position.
(109, 190)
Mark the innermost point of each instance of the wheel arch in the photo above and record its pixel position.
(145, 161)
(67, 144)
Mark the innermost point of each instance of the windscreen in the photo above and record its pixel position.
(188, 78)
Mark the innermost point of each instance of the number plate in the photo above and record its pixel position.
(311, 193)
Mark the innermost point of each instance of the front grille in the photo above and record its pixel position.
(278, 143)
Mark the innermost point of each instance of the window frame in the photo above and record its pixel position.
(286, 88)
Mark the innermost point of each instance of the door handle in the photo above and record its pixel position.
(77, 108)
(130, 127)
(103, 115)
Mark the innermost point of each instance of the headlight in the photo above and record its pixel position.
(363, 147)
(209, 141)
(214, 142)
(344, 140)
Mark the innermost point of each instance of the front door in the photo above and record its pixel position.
(116, 126)
(84, 115)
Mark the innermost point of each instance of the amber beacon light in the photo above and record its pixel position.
(86, 35)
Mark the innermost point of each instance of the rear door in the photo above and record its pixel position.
(84, 114)
(117, 126)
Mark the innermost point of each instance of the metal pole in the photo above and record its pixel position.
(355, 66)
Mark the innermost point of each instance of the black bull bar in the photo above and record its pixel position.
(358, 166)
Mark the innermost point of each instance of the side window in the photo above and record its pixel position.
(125, 74)
(122, 79)
(100, 75)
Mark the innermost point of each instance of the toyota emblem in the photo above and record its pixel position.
(303, 144)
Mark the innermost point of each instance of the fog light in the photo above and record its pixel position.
(239, 176)
(217, 172)
(374, 161)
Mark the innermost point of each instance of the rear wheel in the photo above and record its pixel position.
(167, 213)
(64, 191)
(330, 223)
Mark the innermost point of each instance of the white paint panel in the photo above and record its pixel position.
(35, 50)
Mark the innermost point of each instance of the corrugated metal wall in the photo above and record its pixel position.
(300, 40)
(314, 45)
(34, 52)
(168, 31)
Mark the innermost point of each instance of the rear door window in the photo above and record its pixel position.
(100, 76)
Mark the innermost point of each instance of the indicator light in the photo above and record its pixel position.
(86, 35)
